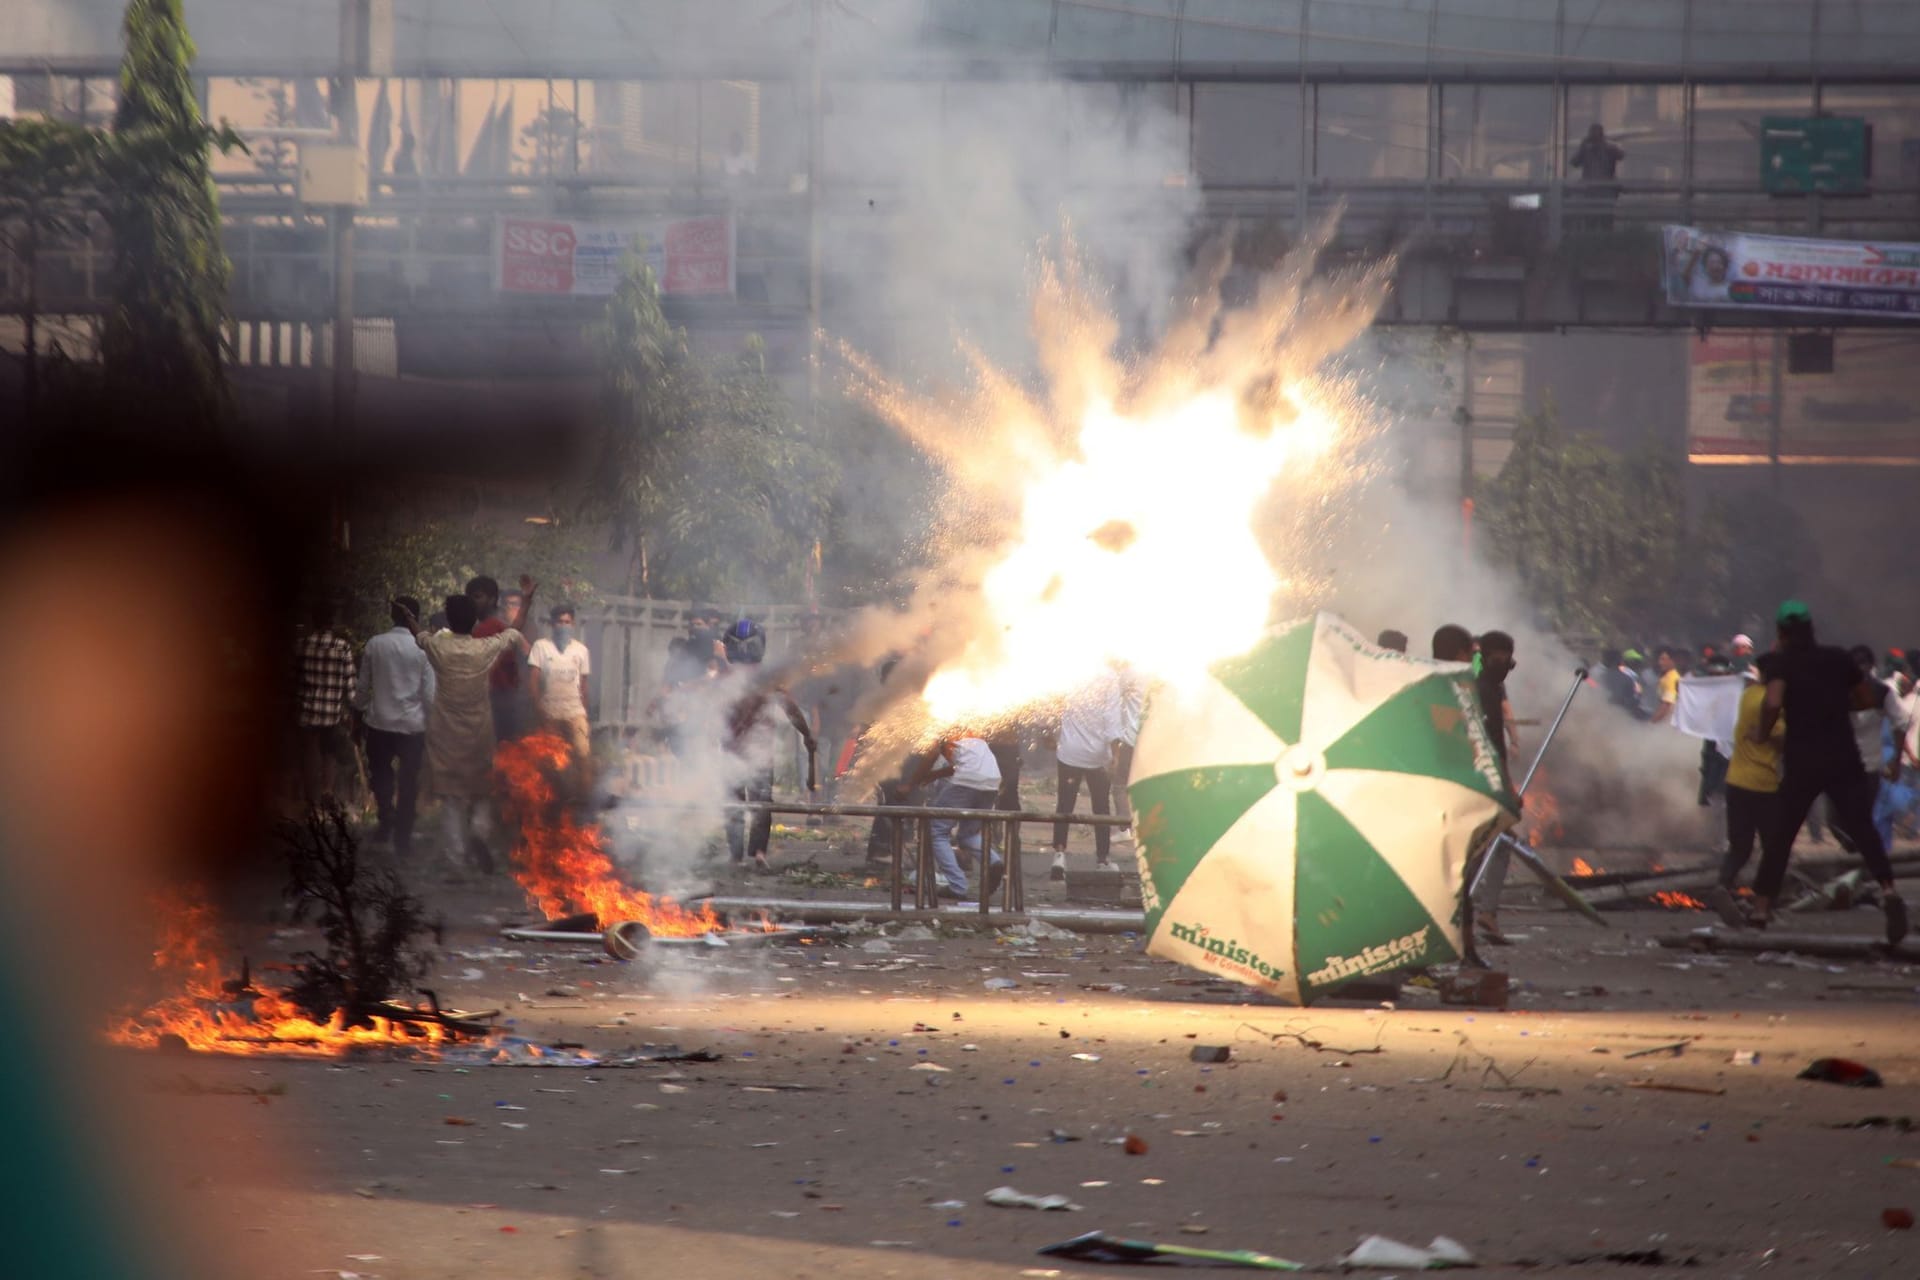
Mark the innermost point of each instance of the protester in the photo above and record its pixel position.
(1091, 729)
(1496, 664)
(1620, 681)
(558, 665)
(325, 687)
(1597, 158)
(1753, 800)
(1740, 653)
(1668, 664)
(749, 738)
(1008, 743)
(1817, 688)
(506, 696)
(395, 689)
(1393, 641)
(1452, 643)
(1132, 705)
(969, 778)
(460, 734)
(1879, 730)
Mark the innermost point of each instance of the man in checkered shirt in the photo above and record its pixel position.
(326, 680)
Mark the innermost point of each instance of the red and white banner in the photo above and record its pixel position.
(690, 257)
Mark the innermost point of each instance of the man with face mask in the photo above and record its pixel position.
(557, 667)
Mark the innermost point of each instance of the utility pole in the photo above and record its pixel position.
(346, 107)
(815, 169)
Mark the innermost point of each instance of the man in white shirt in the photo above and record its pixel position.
(971, 780)
(558, 669)
(1133, 697)
(1091, 728)
(392, 695)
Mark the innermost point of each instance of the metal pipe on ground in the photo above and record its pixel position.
(1638, 888)
(1826, 946)
(819, 911)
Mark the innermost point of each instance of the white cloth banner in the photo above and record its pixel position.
(1708, 708)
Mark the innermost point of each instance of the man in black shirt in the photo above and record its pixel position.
(1496, 663)
(1818, 687)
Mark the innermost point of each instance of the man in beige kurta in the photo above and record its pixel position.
(460, 726)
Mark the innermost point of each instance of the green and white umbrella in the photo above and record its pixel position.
(1305, 816)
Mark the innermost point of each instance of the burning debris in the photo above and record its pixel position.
(341, 998)
(565, 867)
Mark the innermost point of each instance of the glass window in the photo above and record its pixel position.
(1371, 131)
(1646, 121)
(1892, 111)
(1726, 126)
(730, 133)
(1500, 131)
(1246, 133)
(640, 128)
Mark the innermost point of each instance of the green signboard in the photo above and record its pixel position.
(1799, 154)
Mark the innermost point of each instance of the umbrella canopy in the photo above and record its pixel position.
(1305, 816)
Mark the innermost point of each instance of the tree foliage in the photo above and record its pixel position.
(431, 559)
(1600, 540)
(706, 474)
(49, 185)
(160, 343)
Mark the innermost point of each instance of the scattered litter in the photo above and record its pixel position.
(1745, 1058)
(1210, 1053)
(1008, 1198)
(1306, 1041)
(1193, 1229)
(892, 1244)
(1000, 984)
(928, 1066)
(916, 933)
(1664, 1086)
(878, 946)
(1134, 1144)
(1900, 1162)
(1061, 1135)
(1904, 1124)
(1041, 929)
(672, 1088)
(1379, 1251)
(1843, 1071)
(457, 1121)
(1098, 1246)
(1086, 1057)
(786, 1213)
(1677, 1048)
(1098, 1182)
(1897, 1219)
(948, 1205)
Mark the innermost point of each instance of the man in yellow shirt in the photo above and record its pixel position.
(1753, 798)
(1669, 686)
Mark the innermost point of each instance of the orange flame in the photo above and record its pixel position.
(209, 1016)
(1542, 812)
(1678, 901)
(1581, 867)
(565, 867)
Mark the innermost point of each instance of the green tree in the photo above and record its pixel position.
(1600, 541)
(160, 343)
(432, 558)
(706, 475)
(49, 183)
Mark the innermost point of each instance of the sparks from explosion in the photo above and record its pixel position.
(1127, 515)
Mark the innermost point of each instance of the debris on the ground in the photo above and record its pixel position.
(1135, 1145)
(1385, 1253)
(999, 984)
(1008, 1198)
(1086, 1057)
(1745, 1058)
(1098, 1246)
(1477, 988)
(1668, 1086)
(1210, 1053)
(1904, 1124)
(1306, 1041)
(1676, 1048)
(1897, 1219)
(1843, 1071)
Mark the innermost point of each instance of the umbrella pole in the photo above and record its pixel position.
(1560, 888)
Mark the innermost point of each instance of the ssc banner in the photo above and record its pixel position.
(1731, 270)
(564, 257)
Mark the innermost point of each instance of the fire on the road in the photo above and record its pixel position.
(208, 1013)
(565, 867)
